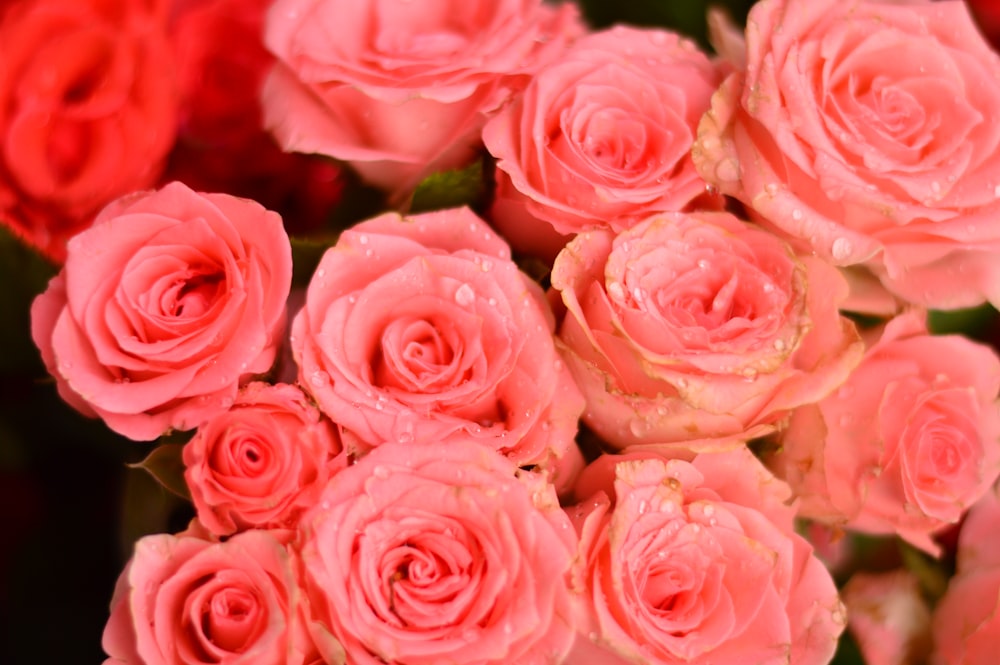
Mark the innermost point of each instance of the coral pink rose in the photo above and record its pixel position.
(698, 329)
(966, 622)
(184, 600)
(399, 89)
(888, 617)
(261, 463)
(907, 444)
(867, 131)
(695, 563)
(421, 329)
(88, 111)
(438, 554)
(602, 136)
(164, 306)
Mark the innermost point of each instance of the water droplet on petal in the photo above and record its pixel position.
(841, 249)
(728, 170)
(464, 295)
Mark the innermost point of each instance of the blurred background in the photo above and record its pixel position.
(70, 508)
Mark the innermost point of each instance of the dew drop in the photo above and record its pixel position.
(797, 214)
(464, 295)
(779, 345)
(380, 472)
(841, 249)
(728, 170)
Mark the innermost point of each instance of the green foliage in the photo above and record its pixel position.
(848, 652)
(306, 255)
(451, 189)
(975, 322)
(165, 464)
(687, 18)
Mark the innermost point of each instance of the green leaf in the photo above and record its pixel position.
(306, 255)
(929, 572)
(450, 189)
(978, 322)
(848, 652)
(165, 464)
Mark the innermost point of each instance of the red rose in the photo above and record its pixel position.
(88, 111)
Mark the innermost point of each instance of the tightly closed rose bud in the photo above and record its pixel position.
(261, 463)
(698, 330)
(438, 554)
(867, 131)
(169, 302)
(697, 563)
(907, 444)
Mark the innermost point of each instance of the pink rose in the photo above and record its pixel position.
(907, 444)
(966, 622)
(261, 463)
(695, 563)
(602, 136)
(888, 617)
(421, 329)
(88, 111)
(400, 90)
(698, 329)
(183, 600)
(438, 554)
(866, 130)
(164, 306)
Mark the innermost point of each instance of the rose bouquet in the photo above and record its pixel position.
(475, 332)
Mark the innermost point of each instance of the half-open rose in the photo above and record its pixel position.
(907, 444)
(438, 554)
(698, 329)
(88, 111)
(867, 130)
(185, 600)
(696, 563)
(401, 89)
(164, 307)
(261, 463)
(601, 137)
(422, 329)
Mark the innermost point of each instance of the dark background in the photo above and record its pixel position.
(70, 508)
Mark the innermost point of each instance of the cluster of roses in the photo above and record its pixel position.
(398, 479)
